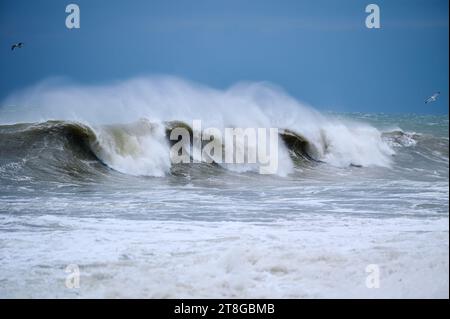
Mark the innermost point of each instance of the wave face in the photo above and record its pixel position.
(145, 107)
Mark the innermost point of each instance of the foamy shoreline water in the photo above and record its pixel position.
(317, 257)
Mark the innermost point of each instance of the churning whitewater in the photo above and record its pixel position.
(87, 179)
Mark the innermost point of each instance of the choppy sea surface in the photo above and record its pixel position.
(136, 226)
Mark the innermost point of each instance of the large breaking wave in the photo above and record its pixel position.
(125, 125)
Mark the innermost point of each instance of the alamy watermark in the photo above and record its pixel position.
(373, 277)
(73, 19)
(73, 277)
(235, 145)
(373, 20)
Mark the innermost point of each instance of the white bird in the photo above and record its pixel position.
(17, 45)
(432, 98)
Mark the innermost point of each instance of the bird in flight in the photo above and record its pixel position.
(432, 98)
(16, 46)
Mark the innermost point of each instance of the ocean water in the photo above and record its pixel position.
(86, 180)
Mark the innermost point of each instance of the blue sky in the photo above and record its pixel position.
(318, 51)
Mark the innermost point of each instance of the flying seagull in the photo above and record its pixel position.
(16, 45)
(432, 98)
